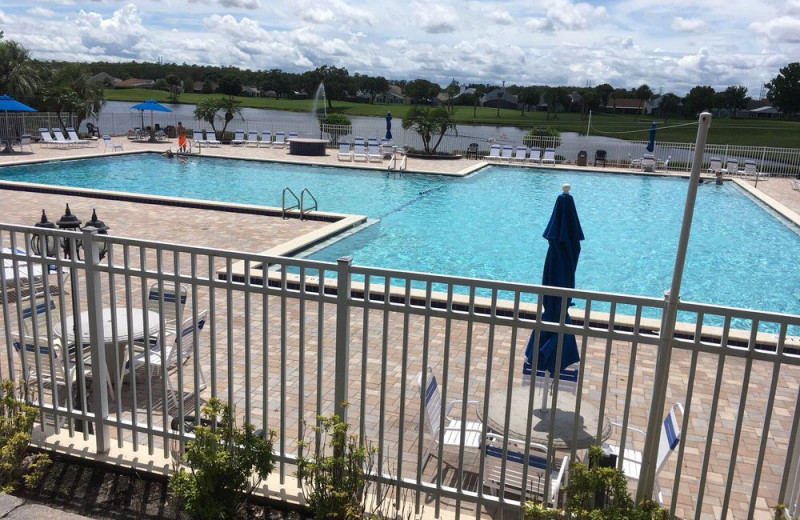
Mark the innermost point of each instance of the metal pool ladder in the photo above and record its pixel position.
(393, 163)
(298, 202)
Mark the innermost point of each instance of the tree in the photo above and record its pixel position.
(230, 83)
(174, 84)
(603, 91)
(71, 90)
(555, 97)
(736, 97)
(20, 76)
(670, 104)
(208, 86)
(528, 96)
(784, 89)
(373, 85)
(428, 123)
(698, 99)
(643, 94)
(452, 91)
(422, 91)
(207, 109)
(337, 81)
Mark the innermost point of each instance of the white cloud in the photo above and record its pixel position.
(566, 15)
(117, 35)
(243, 4)
(501, 17)
(688, 25)
(41, 12)
(785, 29)
(435, 19)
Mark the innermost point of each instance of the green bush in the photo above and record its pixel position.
(222, 459)
(542, 136)
(16, 425)
(336, 119)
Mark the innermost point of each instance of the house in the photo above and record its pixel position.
(762, 108)
(393, 96)
(105, 79)
(250, 90)
(501, 98)
(197, 87)
(135, 83)
(625, 106)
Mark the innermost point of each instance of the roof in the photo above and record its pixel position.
(625, 103)
(135, 82)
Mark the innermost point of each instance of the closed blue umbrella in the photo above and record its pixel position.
(564, 234)
(388, 125)
(153, 106)
(9, 104)
(651, 145)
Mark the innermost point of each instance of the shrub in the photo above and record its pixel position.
(335, 125)
(16, 425)
(542, 136)
(222, 459)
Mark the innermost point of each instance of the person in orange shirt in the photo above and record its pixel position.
(181, 137)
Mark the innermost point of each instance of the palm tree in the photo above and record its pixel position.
(231, 108)
(20, 76)
(72, 90)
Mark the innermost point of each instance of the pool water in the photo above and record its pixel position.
(490, 224)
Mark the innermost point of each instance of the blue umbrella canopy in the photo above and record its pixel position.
(563, 234)
(388, 125)
(9, 104)
(651, 145)
(151, 104)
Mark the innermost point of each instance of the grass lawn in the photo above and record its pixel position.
(752, 132)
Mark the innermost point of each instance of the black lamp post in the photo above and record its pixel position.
(46, 244)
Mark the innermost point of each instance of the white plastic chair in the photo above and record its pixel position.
(108, 143)
(632, 458)
(77, 141)
(535, 155)
(266, 139)
(549, 156)
(359, 151)
(374, 152)
(751, 171)
(345, 154)
(494, 153)
(506, 153)
(520, 153)
(648, 162)
(715, 165)
(280, 139)
(452, 425)
(509, 482)
(731, 167)
(238, 138)
(252, 138)
(164, 302)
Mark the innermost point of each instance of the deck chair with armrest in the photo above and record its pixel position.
(535, 155)
(62, 140)
(168, 302)
(751, 171)
(600, 157)
(108, 143)
(374, 152)
(472, 151)
(345, 154)
(360, 152)
(48, 141)
(520, 154)
(266, 139)
(506, 153)
(631, 462)
(238, 138)
(211, 138)
(549, 156)
(77, 141)
(451, 429)
(731, 167)
(648, 162)
(252, 138)
(506, 481)
(494, 153)
(280, 139)
(715, 165)
(24, 141)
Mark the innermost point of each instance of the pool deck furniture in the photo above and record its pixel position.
(77, 141)
(238, 138)
(535, 155)
(715, 165)
(280, 139)
(359, 152)
(731, 167)
(108, 143)
(374, 153)
(549, 156)
(344, 153)
(494, 153)
(600, 157)
(648, 163)
(520, 154)
(307, 146)
(252, 138)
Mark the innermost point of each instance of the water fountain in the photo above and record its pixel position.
(308, 145)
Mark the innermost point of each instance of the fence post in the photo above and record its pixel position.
(94, 306)
(342, 368)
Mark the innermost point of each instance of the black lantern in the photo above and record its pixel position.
(102, 229)
(70, 222)
(39, 240)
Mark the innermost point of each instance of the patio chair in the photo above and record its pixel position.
(795, 185)
(34, 317)
(167, 302)
(634, 163)
(280, 139)
(108, 143)
(549, 156)
(252, 138)
(359, 152)
(451, 435)
(535, 155)
(345, 154)
(600, 157)
(520, 154)
(506, 153)
(472, 151)
(24, 141)
(374, 152)
(750, 171)
(266, 139)
(494, 153)
(17, 277)
(211, 138)
(663, 165)
(648, 162)
(632, 458)
(731, 167)
(292, 135)
(238, 138)
(508, 481)
(77, 141)
(176, 354)
(62, 140)
(715, 165)
(92, 130)
(47, 140)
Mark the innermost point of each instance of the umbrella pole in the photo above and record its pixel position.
(661, 380)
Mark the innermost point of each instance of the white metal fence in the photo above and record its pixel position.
(296, 338)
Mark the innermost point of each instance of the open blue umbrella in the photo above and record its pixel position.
(9, 104)
(388, 125)
(564, 234)
(651, 145)
(153, 106)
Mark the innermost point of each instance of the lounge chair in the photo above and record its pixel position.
(387, 149)
(506, 153)
(108, 143)
(497, 449)
(266, 139)
(292, 135)
(731, 167)
(345, 154)
(634, 163)
(632, 458)
(520, 154)
(211, 138)
(62, 140)
(238, 138)
(795, 185)
(600, 157)
(549, 156)
(252, 138)
(473, 430)
(751, 171)
(374, 152)
(715, 165)
(167, 302)
(359, 151)
(494, 153)
(280, 139)
(47, 138)
(72, 136)
(663, 165)
(648, 163)
(535, 155)
(472, 151)
(24, 141)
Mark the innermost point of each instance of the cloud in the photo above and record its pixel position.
(566, 15)
(319, 16)
(435, 19)
(688, 25)
(118, 35)
(41, 12)
(785, 29)
(242, 4)
(501, 17)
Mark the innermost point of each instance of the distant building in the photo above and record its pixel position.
(250, 90)
(105, 78)
(763, 108)
(499, 97)
(393, 96)
(625, 105)
(135, 83)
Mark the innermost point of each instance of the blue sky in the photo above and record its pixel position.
(557, 42)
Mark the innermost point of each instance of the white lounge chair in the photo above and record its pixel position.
(535, 155)
(473, 430)
(751, 171)
(520, 154)
(632, 458)
(715, 165)
(359, 152)
(374, 153)
(494, 153)
(795, 185)
(663, 165)
(280, 139)
(62, 140)
(648, 163)
(72, 136)
(252, 138)
(731, 167)
(506, 153)
(108, 143)
(211, 138)
(167, 302)
(292, 135)
(549, 156)
(345, 154)
(266, 139)
(238, 138)
(497, 449)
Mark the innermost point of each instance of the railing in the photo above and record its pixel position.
(29, 123)
(303, 208)
(287, 343)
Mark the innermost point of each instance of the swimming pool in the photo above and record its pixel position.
(489, 224)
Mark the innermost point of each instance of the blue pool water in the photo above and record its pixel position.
(489, 225)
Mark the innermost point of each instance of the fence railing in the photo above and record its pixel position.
(293, 338)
